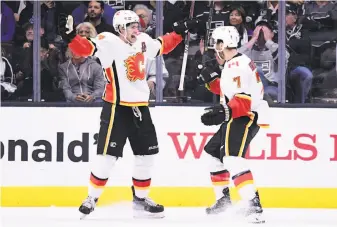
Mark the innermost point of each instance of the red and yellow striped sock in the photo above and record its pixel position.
(96, 186)
(244, 184)
(141, 187)
(220, 181)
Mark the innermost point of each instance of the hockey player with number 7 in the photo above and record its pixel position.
(240, 117)
(125, 113)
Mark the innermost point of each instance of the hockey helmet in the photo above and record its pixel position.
(123, 18)
(229, 35)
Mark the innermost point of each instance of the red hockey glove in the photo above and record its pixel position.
(81, 46)
(216, 115)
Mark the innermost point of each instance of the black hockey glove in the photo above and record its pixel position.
(206, 74)
(216, 115)
(182, 27)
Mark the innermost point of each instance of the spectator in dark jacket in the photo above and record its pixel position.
(80, 13)
(298, 45)
(7, 23)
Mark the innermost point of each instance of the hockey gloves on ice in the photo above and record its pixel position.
(81, 46)
(182, 27)
(206, 75)
(216, 115)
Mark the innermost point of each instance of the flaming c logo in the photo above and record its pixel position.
(135, 67)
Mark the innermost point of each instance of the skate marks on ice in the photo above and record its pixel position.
(121, 216)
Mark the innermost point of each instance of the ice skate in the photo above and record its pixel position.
(254, 213)
(146, 208)
(221, 204)
(87, 206)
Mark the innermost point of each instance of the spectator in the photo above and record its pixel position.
(95, 16)
(82, 11)
(81, 79)
(237, 18)
(320, 15)
(86, 29)
(7, 22)
(28, 29)
(24, 78)
(146, 21)
(264, 52)
(298, 44)
(50, 13)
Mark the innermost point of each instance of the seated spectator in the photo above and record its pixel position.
(86, 29)
(24, 76)
(82, 79)
(299, 46)
(7, 22)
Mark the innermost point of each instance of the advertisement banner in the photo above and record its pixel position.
(52, 147)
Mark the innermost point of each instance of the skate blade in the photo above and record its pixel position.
(83, 216)
(255, 219)
(147, 215)
(215, 212)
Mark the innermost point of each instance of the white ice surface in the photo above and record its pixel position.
(121, 216)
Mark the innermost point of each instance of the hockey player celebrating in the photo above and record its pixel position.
(241, 115)
(125, 112)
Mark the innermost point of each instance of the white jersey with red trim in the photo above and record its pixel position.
(239, 79)
(124, 66)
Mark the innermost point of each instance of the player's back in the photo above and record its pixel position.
(239, 77)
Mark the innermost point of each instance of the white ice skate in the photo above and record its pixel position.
(87, 206)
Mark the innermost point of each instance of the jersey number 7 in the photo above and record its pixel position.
(237, 80)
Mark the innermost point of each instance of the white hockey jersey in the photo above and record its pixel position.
(124, 65)
(241, 86)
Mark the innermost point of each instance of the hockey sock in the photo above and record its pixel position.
(244, 184)
(142, 175)
(219, 175)
(96, 186)
(220, 181)
(102, 165)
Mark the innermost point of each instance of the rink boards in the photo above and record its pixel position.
(45, 154)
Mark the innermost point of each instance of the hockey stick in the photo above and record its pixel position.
(208, 29)
(183, 67)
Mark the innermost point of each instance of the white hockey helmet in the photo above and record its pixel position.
(124, 17)
(229, 35)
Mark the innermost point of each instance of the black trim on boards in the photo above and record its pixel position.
(67, 104)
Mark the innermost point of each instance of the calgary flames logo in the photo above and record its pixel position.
(135, 68)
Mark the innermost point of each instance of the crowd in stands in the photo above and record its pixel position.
(311, 35)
